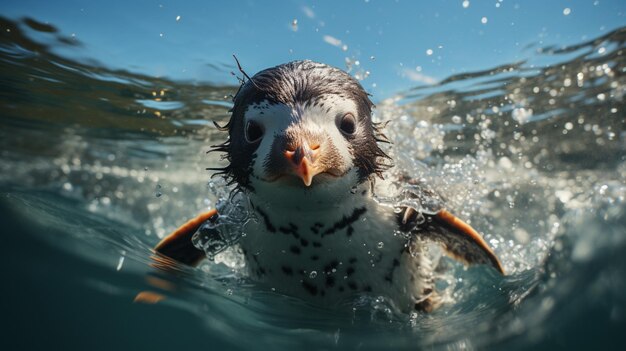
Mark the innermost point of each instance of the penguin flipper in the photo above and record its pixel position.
(178, 245)
(459, 239)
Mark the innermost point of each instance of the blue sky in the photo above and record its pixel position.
(400, 44)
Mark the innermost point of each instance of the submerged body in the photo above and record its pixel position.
(303, 150)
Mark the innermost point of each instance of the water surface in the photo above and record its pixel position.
(97, 164)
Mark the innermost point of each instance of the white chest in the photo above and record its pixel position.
(332, 254)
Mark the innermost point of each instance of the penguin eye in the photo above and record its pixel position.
(347, 124)
(254, 132)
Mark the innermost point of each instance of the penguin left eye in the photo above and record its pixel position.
(254, 132)
(347, 124)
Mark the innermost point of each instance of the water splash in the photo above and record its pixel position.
(413, 196)
(224, 230)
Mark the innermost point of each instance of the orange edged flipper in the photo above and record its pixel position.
(461, 241)
(173, 249)
(148, 297)
(151, 297)
(178, 245)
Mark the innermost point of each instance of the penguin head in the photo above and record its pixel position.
(302, 127)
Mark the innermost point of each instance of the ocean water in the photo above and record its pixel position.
(97, 164)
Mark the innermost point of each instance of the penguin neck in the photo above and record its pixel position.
(304, 202)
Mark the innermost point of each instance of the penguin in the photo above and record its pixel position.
(303, 151)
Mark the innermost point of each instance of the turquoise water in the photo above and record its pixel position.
(97, 164)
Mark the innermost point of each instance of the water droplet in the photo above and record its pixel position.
(466, 4)
(380, 245)
(483, 20)
(313, 274)
(294, 25)
(429, 52)
(177, 18)
(567, 11)
(456, 119)
(603, 189)
(229, 292)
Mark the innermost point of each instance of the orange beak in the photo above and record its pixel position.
(303, 159)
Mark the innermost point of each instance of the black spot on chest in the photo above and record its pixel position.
(266, 220)
(332, 265)
(330, 281)
(346, 221)
(389, 276)
(312, 289)
(315, 228)
(290, 229)
(295, 250)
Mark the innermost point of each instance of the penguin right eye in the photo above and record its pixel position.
(254, 132)
(347, 124)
